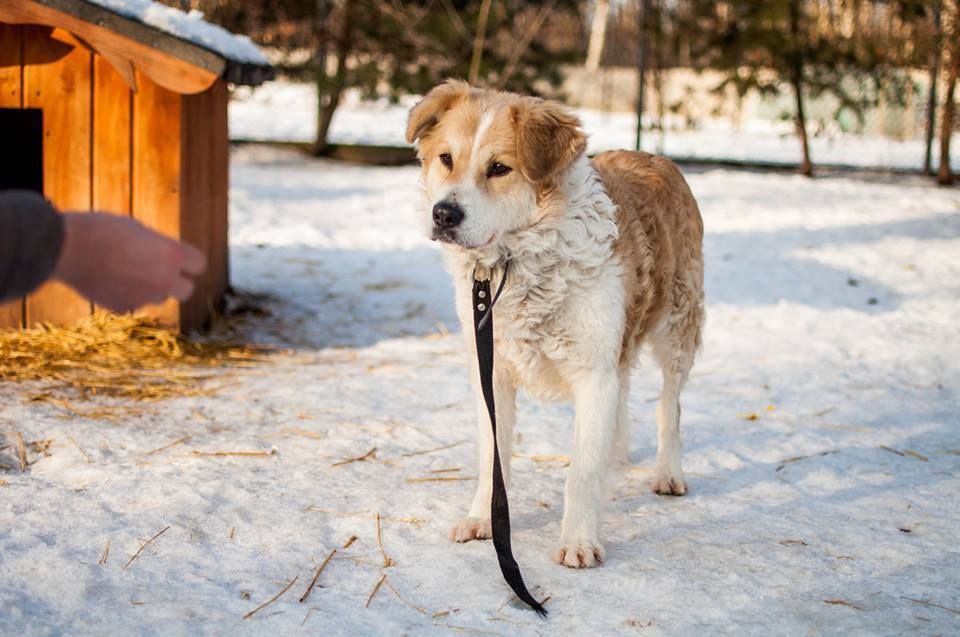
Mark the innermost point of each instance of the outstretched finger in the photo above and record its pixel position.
(181, 289)
(192, 261)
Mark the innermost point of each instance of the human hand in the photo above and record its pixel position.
(119, 264)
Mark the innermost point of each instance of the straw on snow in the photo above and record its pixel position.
(272, 599)
(122, 356)
(143, 546)
(316, 576)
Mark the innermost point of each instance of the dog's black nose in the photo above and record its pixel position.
(447, 215)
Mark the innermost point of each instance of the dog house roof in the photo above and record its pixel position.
(186, 36)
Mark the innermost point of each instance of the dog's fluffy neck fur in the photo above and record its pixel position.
(567, 247)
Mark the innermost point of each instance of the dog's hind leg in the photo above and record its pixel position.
(621, 440)
(668, 473)
(674, 347)
(476, 526)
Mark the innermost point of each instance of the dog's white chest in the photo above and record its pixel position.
(533, 348)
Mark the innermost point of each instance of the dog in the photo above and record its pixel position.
(605, 257)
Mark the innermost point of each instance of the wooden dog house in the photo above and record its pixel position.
(121, 106)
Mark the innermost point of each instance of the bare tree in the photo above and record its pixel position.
(329, 89)
(523, 44)
(795, 64)
(932, 93)
(642, 14)
(598, 35)
(478, 41)
(951, 39)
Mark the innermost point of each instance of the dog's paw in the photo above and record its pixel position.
(669, 485)
(471, 529)
(581, 554)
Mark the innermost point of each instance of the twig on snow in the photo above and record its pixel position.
(165, 447)
(842, 602)
(387, 560)
(375, 589)
(440, 479)
(905, 452)
(272, 599)
(77, 445)
(420, 610)
(425, 451)
(786, 461)
(21, 452)
(316, 576)
(920, 601)
(367, 456)
(144, 545)
(263, 454)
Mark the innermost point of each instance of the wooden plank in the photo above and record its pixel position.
(62, 88)
(112, 121)
(11, 314)
(204, 198)
(112, 140)
(220, 184)
(156, 169)
(195, 199)
(165, 69)
(10, 71)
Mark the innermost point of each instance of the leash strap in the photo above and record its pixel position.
(499, 507)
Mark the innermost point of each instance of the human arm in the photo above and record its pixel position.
(113, 261)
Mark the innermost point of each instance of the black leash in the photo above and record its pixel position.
(499, 507)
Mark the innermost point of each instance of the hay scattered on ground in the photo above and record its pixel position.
(129, 357)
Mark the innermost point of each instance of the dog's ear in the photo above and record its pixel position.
(549, 138)
(425, 115)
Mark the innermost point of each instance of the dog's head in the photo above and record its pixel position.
(488, 159)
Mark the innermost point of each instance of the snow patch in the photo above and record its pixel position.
(188, 26)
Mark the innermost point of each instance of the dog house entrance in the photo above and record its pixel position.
(21, 149)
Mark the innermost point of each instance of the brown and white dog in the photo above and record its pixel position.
(605, 256)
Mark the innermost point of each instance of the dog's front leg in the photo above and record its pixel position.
(596, 397)
(476, 526)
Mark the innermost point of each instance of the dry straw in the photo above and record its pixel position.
(129, 357)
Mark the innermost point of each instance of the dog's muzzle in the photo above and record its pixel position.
(446, 217)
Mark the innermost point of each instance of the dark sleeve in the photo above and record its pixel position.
(31, 237)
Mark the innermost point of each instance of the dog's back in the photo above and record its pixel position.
(660, 245)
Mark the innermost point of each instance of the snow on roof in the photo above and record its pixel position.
(188, 26)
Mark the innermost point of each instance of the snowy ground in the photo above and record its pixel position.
(285, 111)
(820, 433)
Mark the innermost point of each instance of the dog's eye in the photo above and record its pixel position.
(497, 169)
(446, 159)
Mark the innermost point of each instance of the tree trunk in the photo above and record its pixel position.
(658, 75)
(641, 63)
(478, 40)
(598, 35)
(524, 43)
(932, 93)
(944, 175)
(796, 80)
(330, 89)
(321, 13)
